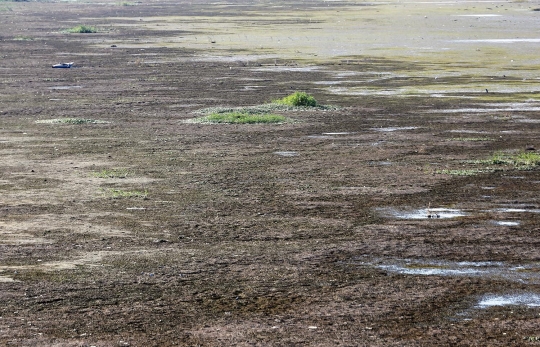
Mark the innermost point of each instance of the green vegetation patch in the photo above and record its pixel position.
(82, 29)
(121, 193)
(264, 113)
(243, 118)
(498, 162)
(264, 109)
(270, 108)
(71, 121)
(111, 173)
(522, 160)
(23, 38)
(297, 99)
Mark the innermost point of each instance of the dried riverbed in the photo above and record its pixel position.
(392, 217)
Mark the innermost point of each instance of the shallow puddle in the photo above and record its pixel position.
(288, 68)
(529, 273)
(507, 223)
(464, 131)
(328, 83)
(515, 210)
(526, 299)
(499, 41)
(64, 87)
(287, 154)
(487, 110)
(478, 15)
(389, 129)
(494, 107)
(424, 213)
(319, 137)
(380, 163)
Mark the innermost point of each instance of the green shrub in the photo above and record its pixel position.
(82, 29)
(298, 99)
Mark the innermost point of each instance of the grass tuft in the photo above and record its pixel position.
(111, 173)
(23, 38)
(82, 29)
(297, 99)
(243, 118)
(120, 193)
(522, 160)
(499, 161)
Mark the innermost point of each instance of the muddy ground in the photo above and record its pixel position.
(379, 221)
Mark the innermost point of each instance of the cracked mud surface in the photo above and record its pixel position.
(308, 233)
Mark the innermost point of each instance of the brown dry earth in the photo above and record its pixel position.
(250, 235)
